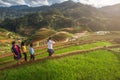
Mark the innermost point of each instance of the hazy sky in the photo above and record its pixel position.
(100, 3)
(34, 3)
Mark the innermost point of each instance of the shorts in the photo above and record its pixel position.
(50, 51)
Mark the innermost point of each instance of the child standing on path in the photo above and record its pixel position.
(31, 50)
(24, 50)
(16, 52)
(50, 46)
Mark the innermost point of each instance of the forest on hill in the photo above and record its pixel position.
(86, 42)
(26, 20)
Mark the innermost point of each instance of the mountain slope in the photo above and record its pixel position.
(57, 16)
(112, 11)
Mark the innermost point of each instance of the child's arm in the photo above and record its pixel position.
(53, 42)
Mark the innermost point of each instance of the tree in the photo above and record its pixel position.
(34, 19)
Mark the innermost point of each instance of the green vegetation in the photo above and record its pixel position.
(6, 37)
(6, 58)
(78, 47)
(43, 34)
(61, 21)
(60, 51)
(94, 65)
(63, 50)
(61, 36)
(3, 34)
(74, 30)
(64, 15)
(116, 49)
(58, 16)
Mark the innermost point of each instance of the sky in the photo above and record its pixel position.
(36, 3)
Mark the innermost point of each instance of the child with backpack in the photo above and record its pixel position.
(16, 52)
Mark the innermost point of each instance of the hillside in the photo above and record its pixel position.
(78, 59)
(87, 42)
(112, 13)
(57, 16)
(92, 54)
(81, 67)
(6, 37)
(112, 10)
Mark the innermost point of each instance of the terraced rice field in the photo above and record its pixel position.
(58, 50)
(94, 65)
(71, 61)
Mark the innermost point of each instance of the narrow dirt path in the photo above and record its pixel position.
(37, 48)
(56, 45)
(60, 56)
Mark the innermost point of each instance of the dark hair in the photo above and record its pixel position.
(31, 45)
(13, 42)
(49, 39)
(22, 44)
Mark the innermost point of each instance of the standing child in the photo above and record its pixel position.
(31, 50)
(50, 46)
(24, 50)
(16, 52)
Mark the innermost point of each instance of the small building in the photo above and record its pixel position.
(102, 32)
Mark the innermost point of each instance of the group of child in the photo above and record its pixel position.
(17, 51)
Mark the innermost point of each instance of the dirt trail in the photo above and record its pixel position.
(8, 61)
(6, 55)
(43, 47)
(37, 48)
(3, 41)
(64, 45)
(60, 56)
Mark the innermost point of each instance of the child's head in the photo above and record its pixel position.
(49, 38)
(22, 43)
(13, 43)
(31, 45)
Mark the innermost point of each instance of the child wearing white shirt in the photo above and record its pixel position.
(31, 50)
(50, 46)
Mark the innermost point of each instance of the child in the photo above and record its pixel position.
(50, 46)
(24, 50)
(16, 52)
(31, 50)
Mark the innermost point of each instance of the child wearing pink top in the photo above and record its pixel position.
(16, 52)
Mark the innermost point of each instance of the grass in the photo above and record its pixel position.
(61, 36)
(116, 49)
(6, 58)
(43, 34)
(95, 65)
(60, 51)
(78, 47)
(4, 49)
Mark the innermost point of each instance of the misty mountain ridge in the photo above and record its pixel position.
(57, 16)
(6, 12)
(112, 10)
(19, 7)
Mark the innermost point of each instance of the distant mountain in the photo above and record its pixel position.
(113, 11)
(21, 10)
(26, 20)
(18, 11)
(19, 7)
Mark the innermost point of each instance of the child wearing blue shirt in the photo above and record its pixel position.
(31, 50)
